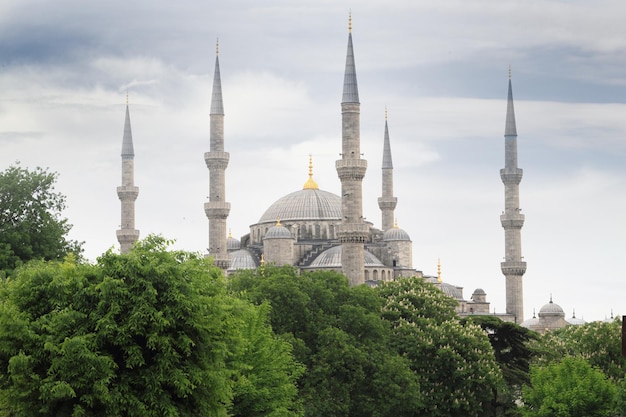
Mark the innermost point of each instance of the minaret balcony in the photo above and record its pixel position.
(216, 160)
(512, 220)
(511, 176)
(353, 232)
(351, 169)
(513, 268)
(387, 203)
(217, 209)
(127, 193)
(127, 235)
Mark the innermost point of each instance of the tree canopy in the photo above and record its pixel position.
(569, 388)
(149, 333)
(458, 372)
(31, 221)
(338, 334)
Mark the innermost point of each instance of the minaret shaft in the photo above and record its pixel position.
(127, 192)
(217, 209)
(353, 232)
(512, 220)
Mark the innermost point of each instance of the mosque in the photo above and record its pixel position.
(313, 229)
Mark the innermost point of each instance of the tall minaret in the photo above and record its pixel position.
(387, 202)
(127, 192)
(352, 232)
(512, 220)
(216, 159)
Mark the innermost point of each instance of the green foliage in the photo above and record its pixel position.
(338, 334)
(569, 388)
(599, 343)
(149, 333)
(458, 372)
(265, 381)
(31, 225)
(513, 352)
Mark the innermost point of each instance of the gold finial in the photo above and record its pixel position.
(217, 46)
(310, 184)
(278, 221)
(230, 234)
(509, 71)
(262, 259)
(395, 224)
(439, 280)
(350, 22)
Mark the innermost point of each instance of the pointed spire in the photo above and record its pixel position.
(350, 87)
(128, 151)
(310, 184)
(387, 162)
(217, 106)
(510, 128)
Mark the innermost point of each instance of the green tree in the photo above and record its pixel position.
(149, 333)
(31, 222)
(599, 343)
(569, 388)
(456, 364)
(513, 352)
(338, 334)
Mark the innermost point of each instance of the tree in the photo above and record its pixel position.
(569, 388)
(31, 223)
(599, 343)
(456, 364)
(149, 333)
(511, 344)
(339, 335)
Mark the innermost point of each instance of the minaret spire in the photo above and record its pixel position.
(512, 219)
(353, 232)
(127, 192)
(387, 203)
(217, 209)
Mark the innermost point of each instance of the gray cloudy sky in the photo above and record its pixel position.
(439, 66)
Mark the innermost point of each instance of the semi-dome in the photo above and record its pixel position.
(551, 309)
(395, 233)
(306, 204)
(331, 258)
(241, 259)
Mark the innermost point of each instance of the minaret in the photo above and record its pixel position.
(127, 192)
(353, 231)
(217, 209)
(387, 203)
(512, 219)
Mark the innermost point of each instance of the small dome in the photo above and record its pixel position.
(241, 259)
(232, 243)
(278, 232)
(331, 258)
(452, 291)
(551, 309)
(395, 233)
(530, 323)
(575, 321)
(479, 291)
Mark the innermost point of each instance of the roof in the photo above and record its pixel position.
(307, 204)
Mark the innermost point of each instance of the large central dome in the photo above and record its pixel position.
(306, 204)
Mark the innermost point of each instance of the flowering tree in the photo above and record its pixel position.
(458, 372)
